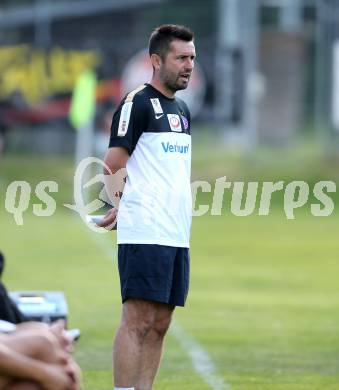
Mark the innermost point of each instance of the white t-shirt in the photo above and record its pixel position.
(156, 206)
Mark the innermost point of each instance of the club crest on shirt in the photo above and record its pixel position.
(185, 122)
(174, 122)
(156, 106)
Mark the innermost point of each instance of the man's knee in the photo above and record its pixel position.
(161, 325)
(41, 344)
(142, 328)
(138, 317)
(142, 317)
(46, 339)
(32, 342)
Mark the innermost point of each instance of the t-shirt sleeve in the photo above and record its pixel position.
(128, 124)
(187, 113)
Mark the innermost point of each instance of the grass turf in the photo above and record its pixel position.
(264, 294)
(263, 301)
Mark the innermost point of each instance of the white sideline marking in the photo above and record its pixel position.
(201, 361)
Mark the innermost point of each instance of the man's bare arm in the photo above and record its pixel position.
(16, 365)
(115, 159)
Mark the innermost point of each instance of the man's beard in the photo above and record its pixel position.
(172, 81)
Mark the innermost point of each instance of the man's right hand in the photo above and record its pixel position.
(109, 221)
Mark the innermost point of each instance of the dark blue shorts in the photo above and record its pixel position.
(154, 272)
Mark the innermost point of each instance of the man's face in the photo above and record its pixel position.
(176, 68)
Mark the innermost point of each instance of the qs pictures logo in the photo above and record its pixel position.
(252, 198)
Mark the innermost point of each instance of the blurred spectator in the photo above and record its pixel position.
(3, 127)
(8, 309)
(9, 108)
(33, 355)
(103, 129)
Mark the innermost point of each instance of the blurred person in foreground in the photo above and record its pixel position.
(35, 356)
(9, 311)
(150, 137)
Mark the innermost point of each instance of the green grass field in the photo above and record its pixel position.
(264, 297)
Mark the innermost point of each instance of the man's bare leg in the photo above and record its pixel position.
(153, 346)
(137, 319)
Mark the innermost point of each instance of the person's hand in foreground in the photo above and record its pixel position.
(109, 221)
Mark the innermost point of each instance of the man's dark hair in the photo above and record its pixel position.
(162, 36)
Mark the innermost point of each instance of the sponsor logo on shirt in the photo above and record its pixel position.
(174, 148)
(174, 122)
(124, 119)
(156, 106)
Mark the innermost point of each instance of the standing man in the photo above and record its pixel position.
(150, 137)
